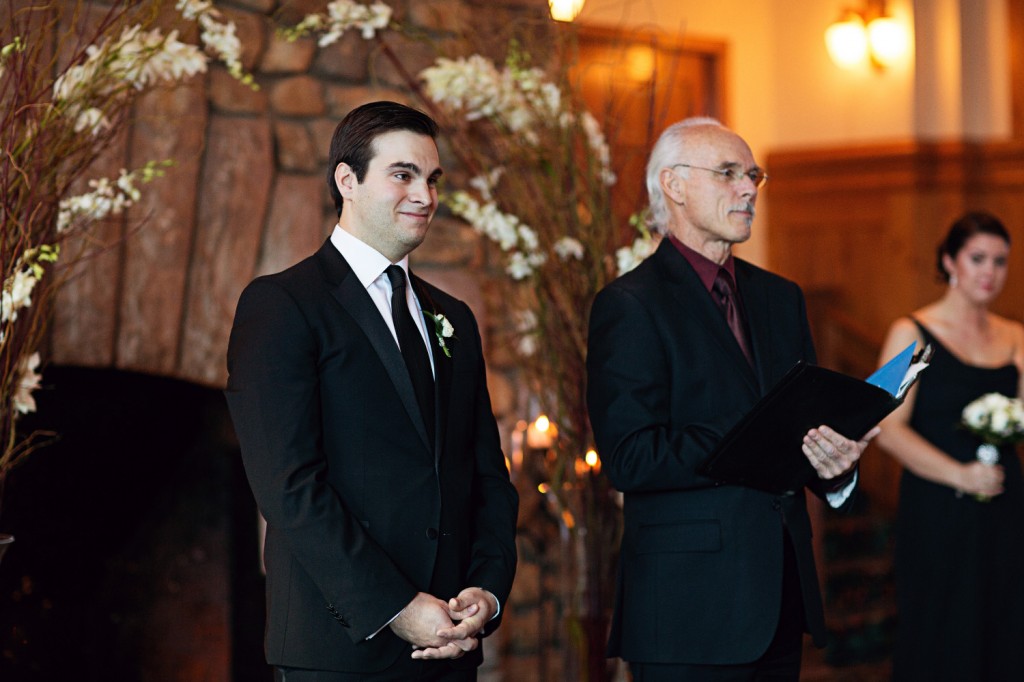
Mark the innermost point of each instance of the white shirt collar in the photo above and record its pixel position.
(367, 263)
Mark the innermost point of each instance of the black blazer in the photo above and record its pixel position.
(336, 452)
(701, 564)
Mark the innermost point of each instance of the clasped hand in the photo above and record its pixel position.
(438, 629)
(982, 480)
(832, 454)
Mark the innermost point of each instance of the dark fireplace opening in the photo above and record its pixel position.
(136, 550)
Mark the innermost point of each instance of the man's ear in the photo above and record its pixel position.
(672, 186)
(345, 179)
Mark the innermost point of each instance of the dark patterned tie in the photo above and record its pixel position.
(725, 297)
(413, 351)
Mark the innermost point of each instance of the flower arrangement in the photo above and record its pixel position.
(540, 193)
(341, 15)
(69, 76)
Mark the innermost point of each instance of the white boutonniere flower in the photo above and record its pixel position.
(443, 329)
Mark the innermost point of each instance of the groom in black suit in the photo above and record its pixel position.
(716, 582)
(359, 397)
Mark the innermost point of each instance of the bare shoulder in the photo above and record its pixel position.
(904, 329)
(930, 316)
(903, 326)
(901, 333)
(1013, 332)
(1011, 328)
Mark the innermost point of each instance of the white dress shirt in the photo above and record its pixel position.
(368, 265)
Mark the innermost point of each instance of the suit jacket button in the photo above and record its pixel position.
(431, 533)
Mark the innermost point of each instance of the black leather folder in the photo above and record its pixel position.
(763, 450)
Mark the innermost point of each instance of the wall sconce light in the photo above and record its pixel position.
(565, 10)
(866, 34)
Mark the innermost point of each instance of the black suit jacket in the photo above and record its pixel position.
(701, 564)
(337, 456)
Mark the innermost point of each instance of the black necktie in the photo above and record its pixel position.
(725, 297)
(413, 351)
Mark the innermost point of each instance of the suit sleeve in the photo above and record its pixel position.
(643, 444)
(273, 395)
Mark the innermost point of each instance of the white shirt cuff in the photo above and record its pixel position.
(836, 498)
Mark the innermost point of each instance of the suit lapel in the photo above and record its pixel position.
(442, 364)
(685, 286)
(352, 296)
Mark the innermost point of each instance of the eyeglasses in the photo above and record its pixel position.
(733, 175)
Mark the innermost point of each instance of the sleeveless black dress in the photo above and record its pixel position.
(959, 561)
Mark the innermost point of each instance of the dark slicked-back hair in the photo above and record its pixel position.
(965, 227)
(353, 139)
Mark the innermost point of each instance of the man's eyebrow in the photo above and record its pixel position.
(729, 165)
(406, 165)
(415, 169)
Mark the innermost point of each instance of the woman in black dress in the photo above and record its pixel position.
(960, 527)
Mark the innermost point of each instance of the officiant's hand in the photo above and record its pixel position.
(832, 454)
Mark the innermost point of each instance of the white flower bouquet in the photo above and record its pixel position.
(995, 418)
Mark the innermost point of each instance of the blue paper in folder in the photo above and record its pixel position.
(890, 375)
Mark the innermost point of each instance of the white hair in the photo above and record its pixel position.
(663, 155)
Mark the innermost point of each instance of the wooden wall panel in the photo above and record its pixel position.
(294, 229)
(84, 330)
(170, 125)
(234, 188)
(85, 314)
